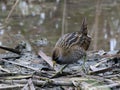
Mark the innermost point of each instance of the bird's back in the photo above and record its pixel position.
(71, 39)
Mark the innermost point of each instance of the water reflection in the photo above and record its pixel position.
(9, 28)
(113, 44)
(57, 1)
(51, 14)
(118, 29)
(23, 6)
(105, 36)
(1, 33)
(56, 25)
(41, 42)
(1, 29)
(3, 6)
(44, 17)
(21, 23)
(116, 22)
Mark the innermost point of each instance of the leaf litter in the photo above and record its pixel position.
(30, 71)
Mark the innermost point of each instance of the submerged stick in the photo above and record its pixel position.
(13, 7)
(103, 70)
(29, 67)
(11, 87)
(10, 49)
(3, 69)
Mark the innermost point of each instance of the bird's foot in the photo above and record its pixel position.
(59, 72)
(85, 70)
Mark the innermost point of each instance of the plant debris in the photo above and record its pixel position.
(28, 70)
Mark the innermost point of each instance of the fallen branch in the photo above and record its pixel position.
(18, 64)
(105, 59)
(105, 86)
(29, 85)
(56, 83)
(8, 74)
(5, 70)
(46, 58)
(11, 10)
(11, 87)
(103, 70)
(111, 76)
(76, 82)
(59, 72)
(10, 49)
(40, 82)
(9, 56)
(16, 77)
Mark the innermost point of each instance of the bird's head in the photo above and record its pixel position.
(57, 55)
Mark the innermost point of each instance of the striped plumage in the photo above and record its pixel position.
(72, 46)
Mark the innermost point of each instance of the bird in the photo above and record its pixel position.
(72, 47)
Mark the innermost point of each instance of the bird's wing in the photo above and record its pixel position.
(68, 40)
(84, 42)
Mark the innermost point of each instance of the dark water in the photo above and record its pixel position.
(41, 22)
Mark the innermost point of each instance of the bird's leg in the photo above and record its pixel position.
(60, 71)
(83, 66)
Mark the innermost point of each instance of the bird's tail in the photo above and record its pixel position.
(83, 29)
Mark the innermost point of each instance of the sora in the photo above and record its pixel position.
(72, 47)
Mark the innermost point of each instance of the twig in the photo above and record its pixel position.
(9, 56)
(16, 77)
(103, 70)
(55, 83)
(62, 82)
(95, 26)
(29, 85)
(110, 76)
(59, 72)
(101, 79)
(107, 58)
(10, 49)
(11, 87)
(5, 70)
(8, 74)
(41, 83)
(29, 67)
(105, 86)
(11, 10)
(63, 18)
(46, 58)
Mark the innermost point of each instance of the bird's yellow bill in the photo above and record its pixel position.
(54, 63)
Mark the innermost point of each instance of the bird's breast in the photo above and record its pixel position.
(70, 56)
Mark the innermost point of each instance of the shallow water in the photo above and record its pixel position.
(41, 22)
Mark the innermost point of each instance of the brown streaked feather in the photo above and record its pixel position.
(85, 42)
(68, 40)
